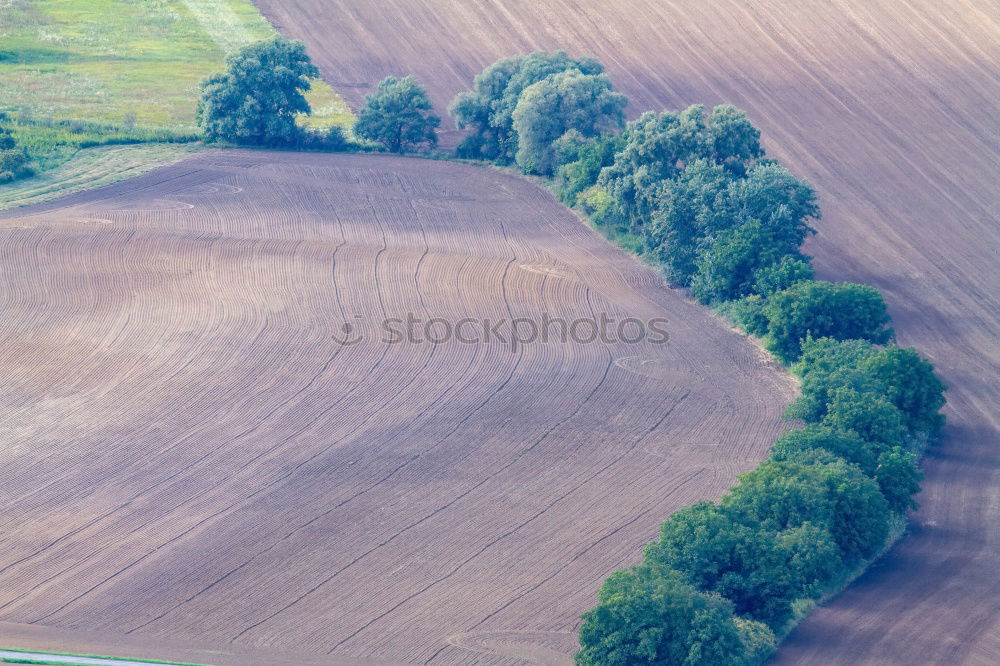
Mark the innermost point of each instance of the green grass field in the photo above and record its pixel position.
(79, 73)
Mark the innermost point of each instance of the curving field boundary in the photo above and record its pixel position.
(191, 455)
(889, 108)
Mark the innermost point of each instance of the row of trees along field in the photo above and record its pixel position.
(260, 96)
(694, 191)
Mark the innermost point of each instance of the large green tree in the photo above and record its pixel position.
(658, 147)
(647, 617)
(908, 382)
(685, 207)
(567, 101)
(824, 309)
(826, 492)
(729, 263)
(749, 566)
(257, 99)
(399, 116)
(488, 109)
(845, 444)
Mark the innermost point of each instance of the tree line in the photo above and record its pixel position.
(694, 191)
(260, 96)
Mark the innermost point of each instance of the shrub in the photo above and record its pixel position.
(791, 270)
(14, 160)
(581, 161)
(398, 116)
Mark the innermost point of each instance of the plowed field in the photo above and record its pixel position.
(890, 107)
(191, 455)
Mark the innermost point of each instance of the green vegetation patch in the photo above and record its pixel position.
(94, 167)
(81, 73)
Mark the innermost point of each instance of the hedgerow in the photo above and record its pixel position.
(694, 192)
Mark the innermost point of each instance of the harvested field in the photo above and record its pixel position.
(890, 108)
(191, 456)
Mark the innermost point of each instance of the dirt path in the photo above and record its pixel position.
(890, 107)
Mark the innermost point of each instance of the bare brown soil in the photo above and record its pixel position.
(190, 456)
(891, 108)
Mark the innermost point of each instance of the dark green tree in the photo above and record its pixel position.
(844, 444)
(841, 311)
(684, 210)
(873, 418)
(398, 116)
(812, 557)
(899, 478)
(569, 100)
(908, 381)
(825, 365)
(646, 617)
(14, 160)
(747, 566)
(828, 493)
(791, 270)
(728, 264)
(257, 99)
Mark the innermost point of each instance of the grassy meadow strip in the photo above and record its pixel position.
(75, 74)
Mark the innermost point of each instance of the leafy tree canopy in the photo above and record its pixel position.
(873, 418)
(488, 109)
(894, 374)
(748, 566)
(792, 269)
(657, 618)
(256, 100)
(569, 100)
(899, 478)
(835, 495)
(728, 264)
(684, 210)
(844, 444)
(657, 147)
(815, 308)
(581, 160)
(398, 116)
(909, 383)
